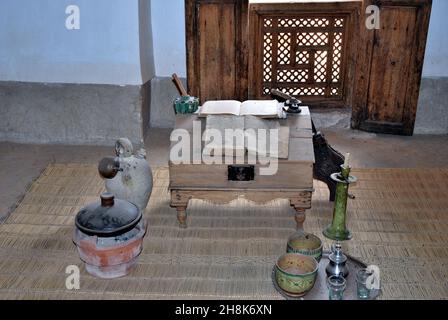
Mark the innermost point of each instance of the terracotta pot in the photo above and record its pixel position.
(111, 257)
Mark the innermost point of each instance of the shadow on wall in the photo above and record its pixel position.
(432, 115)
(163, 93)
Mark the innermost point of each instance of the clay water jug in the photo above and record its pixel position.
(128, 175)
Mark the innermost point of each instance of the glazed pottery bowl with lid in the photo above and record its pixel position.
(305, 243)
(108, 217)
(295, 273)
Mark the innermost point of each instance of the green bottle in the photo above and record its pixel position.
(337, 230)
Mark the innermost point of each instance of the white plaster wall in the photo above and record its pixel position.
(168, 26)
(36, 46)
(436, 59)
(120, 44)
(146, 42)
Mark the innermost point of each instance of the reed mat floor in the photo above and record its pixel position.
(399, 221)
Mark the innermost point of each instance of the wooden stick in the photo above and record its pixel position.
(280, 94)
(179, 85)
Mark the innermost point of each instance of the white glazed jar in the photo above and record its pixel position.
(128, 176)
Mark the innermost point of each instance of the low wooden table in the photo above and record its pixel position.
(293, 180)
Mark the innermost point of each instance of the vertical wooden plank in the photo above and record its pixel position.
(390, 64)
(191, 31)
(227, 52)
(362, 73)
(217, 35)
(312, 63)
(255, 55)
(351, 38)
(293, 54)
(242, 49)
(275, 36)
(330, 56)
(209, 52)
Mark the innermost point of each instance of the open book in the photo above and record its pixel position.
(229, 145)
(262, 108)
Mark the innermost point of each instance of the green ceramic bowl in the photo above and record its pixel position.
(186, 104)
(305, 243)
(295, 273)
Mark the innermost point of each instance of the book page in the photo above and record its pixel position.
(228, 144)
(221, 107)
(268, 108)
(256, 123)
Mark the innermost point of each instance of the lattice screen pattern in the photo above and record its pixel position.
(303, 56)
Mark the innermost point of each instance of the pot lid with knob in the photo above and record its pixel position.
(108, 217)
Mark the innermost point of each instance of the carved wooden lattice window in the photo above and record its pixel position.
(302, 54)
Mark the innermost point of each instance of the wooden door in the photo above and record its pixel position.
(217, 49)
(390, 68)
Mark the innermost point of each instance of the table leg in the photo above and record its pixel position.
(179, 200)
(182, 216)
(300, 203)
(300, 217)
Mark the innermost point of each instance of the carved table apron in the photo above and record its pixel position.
(210, 182)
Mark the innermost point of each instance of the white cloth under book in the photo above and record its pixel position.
(245, 144)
